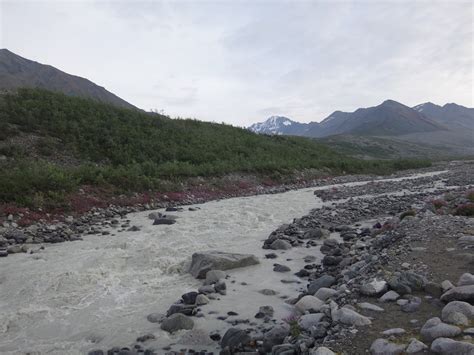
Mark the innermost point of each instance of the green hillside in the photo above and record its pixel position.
(55, 143)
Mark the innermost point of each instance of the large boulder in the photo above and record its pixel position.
(348, 316)
(234, 338)
(275, 336)
(466, 279)
(435, 328)
(374, 288)
(415, 346)
(213, 276)
(323, 281)
(322, 350)
(446, 346)
(309, 303)
(177, 321)
(216, 260)
(407, 282)
(459, 293)
(280, 244)
(307, 321)
(385, 347)
(458, 312)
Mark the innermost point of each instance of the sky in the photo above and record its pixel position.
(241, 61)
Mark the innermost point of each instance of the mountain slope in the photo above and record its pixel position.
(279, 125)
(450, 115)
(17, 72)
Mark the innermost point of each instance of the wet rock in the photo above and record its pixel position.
(133, 229)
(165, 221)
(271, 256)
(307, 321)
(96, 352)
(176, 322)
(281, 268)
(309, 303)
(325, 293)
(201, 300)
(446, 346)
(268, 292)
(275, 336)
(323, 281)
(280, 244)
(212, 276)
(390, 296)
(207, 289)
(189, 298)
(220, 287)
(374, 288)
(330, 260)
(459, 293)
(384, 347)
(234, 338)
(284, 349)
(315, 233)
(155, 215)
(415, 346)
(457, 312)
(407, 282)
(198, 337)
(265, 311)
(155, 317)
(466, 279)
(435, 328)
(188, 310)
(145, 338)
(214, 260)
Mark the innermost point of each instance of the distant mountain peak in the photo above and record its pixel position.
(272, 125)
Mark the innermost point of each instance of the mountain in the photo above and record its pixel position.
(17, 72)
(279, 125)
(450, 115)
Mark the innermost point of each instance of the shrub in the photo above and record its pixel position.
(439, 203)
(405, 214)
(466, 209)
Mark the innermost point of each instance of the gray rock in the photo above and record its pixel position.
(370, 307)
(415, 346)
(176, 322)
(446, 285)
(435, 328)
(201, 300)
(307, 321)
(155, 317)
(308, 303)
(281, 268)
(268, 292)
(412, 305)
(407, 282)
(459, 293)
(348, 316)
(374, 288)
(466, 279)
(394, 331)
(322, 351)
(325, 293)
(323, 281)
(446, 346)
(458, 312)
(215, 260)
(165, 221)
(196, 337)
(466, 241)
(280, 244)
(207, 289)
(315, 233)
(384, 347)
(155, 215)
(212, 276)
(275, 336)
(234, 338)
(390, 296)
(283, 349)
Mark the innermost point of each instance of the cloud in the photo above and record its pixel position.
(240, 61)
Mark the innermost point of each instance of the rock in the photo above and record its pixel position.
(155, 317)
(374, 288)
(214, 260)
(458, 312)
(390, 296)
(201, 300)
(3, 253)
(282, 349)
(321, 351)
(307, 321)
(370, 307)
(433, 289)
(189, 298)
(466, 279)
(271, 256)
(435, 328)
(17, 235)
(176, 322)
(394, 331)
(207, 289)
(325, 293)
(212, 276)
(133, 229)
(412, 305)
(446, 346)
(384, 347)
(198, 337)
(315, 233)
(281, 268)
(446, 285)
(265, 311)
(155, 215)
(163, 220)
(459, 293)
(330, 260)
(407, 282)
(220, 287)
(268, 292)
(323, 281)
(308, 303)
(415, 346)
(145, 338)
(280, 244)
(275, 336)
(348, 316)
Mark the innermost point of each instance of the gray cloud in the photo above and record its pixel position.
(239, 61)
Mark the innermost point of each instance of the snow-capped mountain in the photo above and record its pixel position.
(278, 125)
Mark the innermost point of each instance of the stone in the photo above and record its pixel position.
(412, 305)
(282, 349)
(322, 350)
(155, 215)
(280, 244)
(415, 346)
(458, 312)
(325, 293)
(407, 282)
(446, 346)
(176, 322)
(203, 262)
(265, 311)
(394, 331)
(188, 310)
(206, 289)
(234, 338)
(309, 303)
(434, 289)
(374, 288)
(155, 317)
(466, 279)
(307, 321)
(145, 338)
(384, 347)
(281, 268)
(220, 287)
(315, 233)
(189, 298)
(198, 337)
(201, 300)
(268, 292)
(459, 293)
(435, 328)
(370, 307)
(275, 336)
(390, 296)
(165, 221)
(348, 316)
(323, 281)
(446, 285)
(212, 276)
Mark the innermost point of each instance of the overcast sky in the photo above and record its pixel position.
(242, 61)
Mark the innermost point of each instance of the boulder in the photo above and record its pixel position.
(201, 300)
(458, 312)
(163, 220)
(280, 244)
(385, 347)
(212, 276)
(176, 322)
(198, 337)
(390, 296)
(189, 298)
(407, 282)
(215, 260)
(348, 316)
(323, 281)
(370, 307)
(412, 305)
(281, 268)
(325, 293)
(446, 346)
(322, 350)
(459, 293)
(415, 346)
(466, 279)
(234, 338)
(307, 321)
(309, 303)
(374, 288)
(435, 328)
(275, 336)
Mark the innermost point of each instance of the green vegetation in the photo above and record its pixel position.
(134, 151)
(409, 213)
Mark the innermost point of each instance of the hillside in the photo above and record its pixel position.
(17, 72)
(450, 115)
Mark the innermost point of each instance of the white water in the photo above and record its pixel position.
(96, 293)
